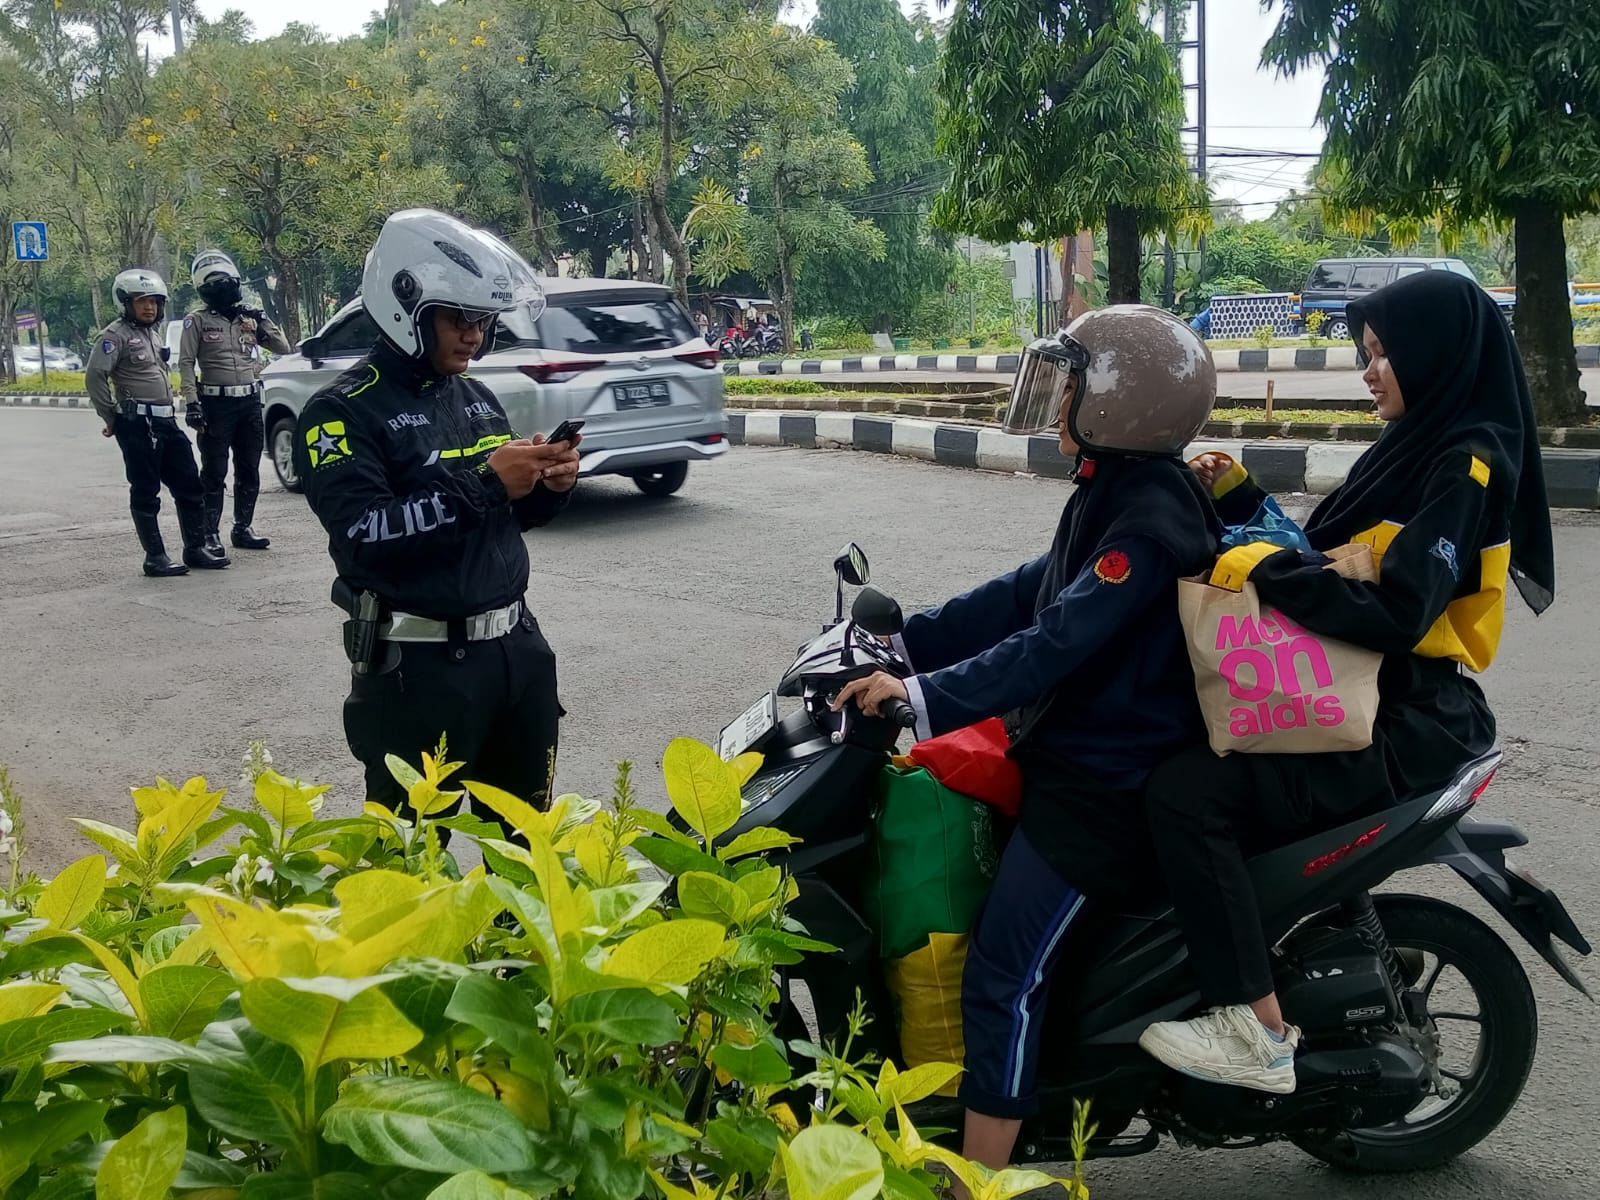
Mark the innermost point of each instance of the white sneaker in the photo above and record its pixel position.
(1227, 1045)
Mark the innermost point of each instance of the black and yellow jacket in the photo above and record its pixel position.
(1443, 555)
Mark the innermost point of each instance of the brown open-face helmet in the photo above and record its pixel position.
(1146, 382)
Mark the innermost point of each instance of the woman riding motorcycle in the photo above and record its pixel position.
(1084, 644)
(1451, 499)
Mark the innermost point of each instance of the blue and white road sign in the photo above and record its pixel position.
(30, 241)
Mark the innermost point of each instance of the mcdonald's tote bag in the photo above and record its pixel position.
(1266, 684)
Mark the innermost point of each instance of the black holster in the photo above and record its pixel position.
(361, 643)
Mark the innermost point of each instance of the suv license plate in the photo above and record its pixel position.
(760, 719)
(647, 393)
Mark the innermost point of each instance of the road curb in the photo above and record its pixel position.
(1572, 477)
(1290, 358)
(57, 401)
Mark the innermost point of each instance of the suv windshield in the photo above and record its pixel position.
(611, 323)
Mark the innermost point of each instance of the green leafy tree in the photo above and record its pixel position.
(1058, 117)
(504, 122)
(304, 152)
(1466, 112)
(798, 169)
(668, 75)
(889, 108)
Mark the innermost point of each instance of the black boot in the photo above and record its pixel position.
(196, 528)
(244, 511)
(212, 544)
(156, 563)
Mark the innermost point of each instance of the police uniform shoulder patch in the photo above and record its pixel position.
(188, 322)
(1113, 567)
(327, 444)
(107, 346)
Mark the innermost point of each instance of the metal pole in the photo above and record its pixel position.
(1038, 291)
(38, 328)
(177, 29)
(1200, 80)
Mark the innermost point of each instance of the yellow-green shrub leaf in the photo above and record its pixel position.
(108, 962)
(286, 801)
(673, 952)
(27, 999)
(746, 766)
(633, 1016)
(701, 894)
(367, 898)
(831, 1162)
(73, 894)
(146, 1160)
(118, 843)
(254, 942)
(704, 790)
(29, 1037)
(521, 816)
(1013, 1182)
(756, 841)
(182, 818)
(427, 1125)
(180, 1000)
(326, 1019)
(762, 1063)
(36, 1138)
(475, 1185)
(915, 1084)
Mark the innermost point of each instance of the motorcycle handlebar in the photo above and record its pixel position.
(900, 713)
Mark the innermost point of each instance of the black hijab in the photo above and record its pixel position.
(1156, 498)
(1464, 389)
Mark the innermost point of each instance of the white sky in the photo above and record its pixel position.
(1248, 108)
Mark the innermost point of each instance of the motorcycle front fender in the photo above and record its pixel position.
(1475, 850)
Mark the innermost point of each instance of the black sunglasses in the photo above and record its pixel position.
(465, 320)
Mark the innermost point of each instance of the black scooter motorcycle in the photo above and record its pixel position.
(1419, 1022)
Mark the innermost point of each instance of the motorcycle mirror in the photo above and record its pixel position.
(851, 566)
(877, 613)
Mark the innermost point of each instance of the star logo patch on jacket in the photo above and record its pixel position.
(327, 444)
(1113, 567)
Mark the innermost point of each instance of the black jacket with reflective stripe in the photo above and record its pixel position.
(395, 461)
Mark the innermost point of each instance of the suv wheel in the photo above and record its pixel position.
(662, 480)
(1337, 329)
(280, 442)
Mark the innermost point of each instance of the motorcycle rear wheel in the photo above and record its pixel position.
(1435, 941)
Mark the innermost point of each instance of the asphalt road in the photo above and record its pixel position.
(669, 618)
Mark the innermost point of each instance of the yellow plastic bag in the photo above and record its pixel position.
(926, 987)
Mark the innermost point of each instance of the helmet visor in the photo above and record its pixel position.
(1042, 382)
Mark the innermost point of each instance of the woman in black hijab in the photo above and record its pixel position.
(1451, 499)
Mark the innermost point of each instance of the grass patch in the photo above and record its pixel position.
(67, 382)
(1311, 416)
(766, 385)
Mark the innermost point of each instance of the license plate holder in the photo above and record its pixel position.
(643, 393)
(751, 728)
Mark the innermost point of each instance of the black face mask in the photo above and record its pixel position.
(221, 294)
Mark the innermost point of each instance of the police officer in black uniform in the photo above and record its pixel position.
(128, 386)
(425, 490)
(223, 340)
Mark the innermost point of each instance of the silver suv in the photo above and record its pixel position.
(622, 356)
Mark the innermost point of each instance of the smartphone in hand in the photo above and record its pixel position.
(564, 432)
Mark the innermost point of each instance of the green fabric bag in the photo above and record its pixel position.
(933, 859)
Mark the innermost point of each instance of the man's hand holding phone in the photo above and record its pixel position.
(525, 463)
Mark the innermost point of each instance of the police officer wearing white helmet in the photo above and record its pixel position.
(222, 341)
(129, 388)
(425, 491)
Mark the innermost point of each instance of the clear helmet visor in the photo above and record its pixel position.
(1042, 382)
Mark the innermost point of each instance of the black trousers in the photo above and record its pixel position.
(494, 701)
(1208, 814)
(233, 425)
(156, 452)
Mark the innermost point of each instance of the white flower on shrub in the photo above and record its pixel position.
(8, 844)
(249, 871)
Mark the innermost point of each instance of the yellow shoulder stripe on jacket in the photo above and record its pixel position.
(1479, 471)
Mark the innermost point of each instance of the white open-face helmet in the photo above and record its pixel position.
(423, 259)
(129, 285)
(208, 264)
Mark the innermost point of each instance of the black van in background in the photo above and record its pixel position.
(1334, 282)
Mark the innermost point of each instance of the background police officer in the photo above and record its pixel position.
(425, 490)
(128, 385)
(223, 339)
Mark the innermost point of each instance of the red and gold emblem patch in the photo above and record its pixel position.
(1113, 567)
